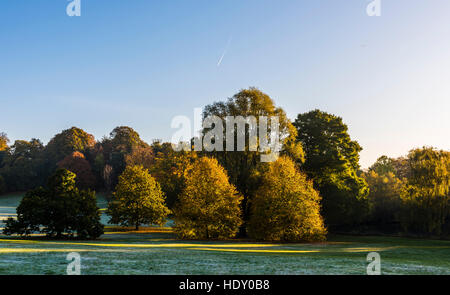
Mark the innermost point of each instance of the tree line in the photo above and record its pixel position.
(315, 187)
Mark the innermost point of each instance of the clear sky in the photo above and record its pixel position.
(141, 62)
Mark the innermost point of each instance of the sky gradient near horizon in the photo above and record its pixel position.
(141, 63)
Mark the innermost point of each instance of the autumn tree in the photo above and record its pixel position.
(383, 166)
(140, 155)
(169, 168)
(244, 167)
(426, 199)
(3, 141)
(209, 207)
(402, 167)
(332, 162)
(115, 148)
(286, 207)
(77, 163)
(138, 199)
(57, 210)
(107, 176)
(397, 166)
(68, 141)
(384, 197)
(23, 165)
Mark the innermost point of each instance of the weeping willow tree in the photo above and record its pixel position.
(426, 197)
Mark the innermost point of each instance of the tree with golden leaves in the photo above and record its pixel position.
(3, 141)
(209, 207)
(244, 167)
(286, 207)
(138, 199)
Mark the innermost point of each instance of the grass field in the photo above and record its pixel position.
(157, 251)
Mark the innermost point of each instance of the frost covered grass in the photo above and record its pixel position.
(157, 251)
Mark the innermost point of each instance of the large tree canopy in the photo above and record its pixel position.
(122, 142)
(332, 161)
(384, 199)
(77, 163)
(169, 168)
(138, 199)
(23, 165)
(58, 209)
(385, 165)
(286, 206)
(124, 139)
(68, 141)
(208, 208)
(427, 195)
(244, 167)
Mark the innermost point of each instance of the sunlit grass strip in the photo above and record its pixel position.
(137, 232)
(221, 247)
(34, 250)
(174, 245)
(371, 249)
(130, 230)
(259, 251)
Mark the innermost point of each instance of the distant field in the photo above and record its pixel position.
(156, 251)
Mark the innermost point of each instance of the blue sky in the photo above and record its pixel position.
(140, 63)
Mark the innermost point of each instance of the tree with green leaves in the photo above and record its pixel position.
(169, 168)
(209, 207)
(332, 162)
(68, 141)
(23, 165)
(115, 149)
(383, 166)
(398, 166)
(58, 210)
(426, 199)
(245, 167)
(384, 197)
(138, 199)
(286, 207)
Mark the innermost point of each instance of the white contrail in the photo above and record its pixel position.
(224, 52)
